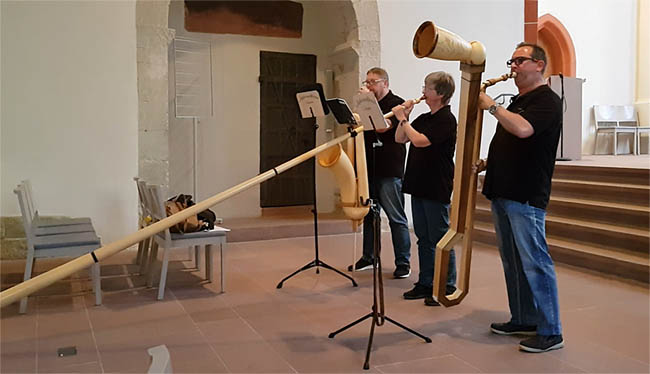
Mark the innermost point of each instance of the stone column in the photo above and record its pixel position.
(153, 39)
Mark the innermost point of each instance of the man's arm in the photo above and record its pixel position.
(511, 122)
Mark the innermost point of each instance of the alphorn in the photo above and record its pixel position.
(437, 43)
(357, 208)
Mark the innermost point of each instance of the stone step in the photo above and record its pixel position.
(625, 264)
(603, 174)
(606, 236)
(602, 191)
(618, 214)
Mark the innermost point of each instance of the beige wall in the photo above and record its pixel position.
(69, 110)
(604, 36)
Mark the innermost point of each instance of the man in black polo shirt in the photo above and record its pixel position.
(429, 177)
(520, 165)
(385, 172)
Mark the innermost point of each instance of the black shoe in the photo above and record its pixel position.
(542, 343)
(362, 264)
(402, 271)
(510, 328)
(430, 301)
(418, 292)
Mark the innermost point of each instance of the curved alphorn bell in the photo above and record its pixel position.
(437, 43)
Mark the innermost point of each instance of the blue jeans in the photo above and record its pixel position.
(430, 223)
(391, 199)
(528, 268)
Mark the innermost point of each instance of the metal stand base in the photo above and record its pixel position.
(378, 318)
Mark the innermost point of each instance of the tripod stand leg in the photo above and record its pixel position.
(426, 338)
(333, 334)
(366, 364)
(308, 266)
(326, 266)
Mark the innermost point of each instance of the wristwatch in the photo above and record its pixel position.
(493, 109)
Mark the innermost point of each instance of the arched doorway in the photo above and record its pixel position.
(555, 39)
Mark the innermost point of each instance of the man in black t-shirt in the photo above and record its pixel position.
(385, 172)
(429, 177)
(520, 165)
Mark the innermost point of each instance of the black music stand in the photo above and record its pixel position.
(562, 158)
(312, 103)
(378, 310)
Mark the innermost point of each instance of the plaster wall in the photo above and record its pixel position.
(69, 110)
(229, 139)
(472, 20)
(605, 39)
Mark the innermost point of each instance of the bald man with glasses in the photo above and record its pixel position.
(520, 165)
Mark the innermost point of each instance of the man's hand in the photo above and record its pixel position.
(484, 101)
(479, 165)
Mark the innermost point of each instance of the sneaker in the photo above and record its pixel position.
(418, 292)
(510, 328)
(402, 271)
(542, 343)
(362, 264)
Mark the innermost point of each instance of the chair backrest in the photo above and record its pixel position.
(155, 197)
(21, 194)
(26, 186)
(145, 212)
(615, 116)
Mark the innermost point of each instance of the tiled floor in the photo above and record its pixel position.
(256, 328)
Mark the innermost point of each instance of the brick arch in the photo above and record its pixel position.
(555, 39)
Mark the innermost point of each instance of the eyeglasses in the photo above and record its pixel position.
(518, 60)
(425, 88)
(372, 82)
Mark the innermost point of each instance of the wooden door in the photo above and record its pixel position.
(283, 133)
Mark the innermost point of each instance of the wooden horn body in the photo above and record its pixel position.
(440, 44)
(437, 43)
(353, 185)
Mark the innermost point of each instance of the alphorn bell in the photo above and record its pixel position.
(435, 42)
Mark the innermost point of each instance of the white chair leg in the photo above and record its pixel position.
(163, 274)
(29, 266)
(209, 266)
(221, 254)
(615, 143)
(197, 256)
(153, 258)
(97, 286)
(144, 256)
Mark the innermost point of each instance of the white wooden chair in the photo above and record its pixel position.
(614, 120)
(168, 240)
(52, 243)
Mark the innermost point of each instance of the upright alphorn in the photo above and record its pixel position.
(28, 287)
(437, 43)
